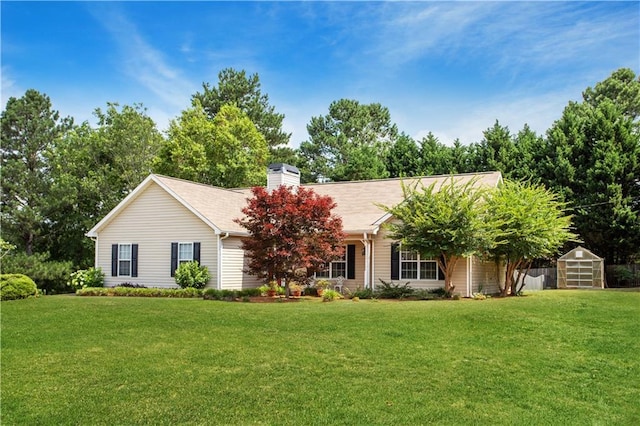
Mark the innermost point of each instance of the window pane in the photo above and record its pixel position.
(409, 270)
(185, 252)
(338, 269)
(428, 270)
(323, 274)
(124, 267)
(408, 255)
(125, 252)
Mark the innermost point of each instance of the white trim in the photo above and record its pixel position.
(190, 257)
(130, 259)
(367, 260)
(469, 276)
(345, 260)
(372, 282)
(95, 255)
(418, 260)
(187, 205)
(220, 251)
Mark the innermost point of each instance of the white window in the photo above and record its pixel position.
(124, 260)
(185, 252)
(335, 269)
(412, 267)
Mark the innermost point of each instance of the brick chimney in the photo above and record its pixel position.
(282, 174)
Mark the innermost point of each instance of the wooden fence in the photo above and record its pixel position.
(620, 276)
(550, 276)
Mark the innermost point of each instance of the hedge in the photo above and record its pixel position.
(16, 286)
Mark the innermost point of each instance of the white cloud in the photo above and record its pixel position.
(9, 87)
(149, 67)
(513, 36)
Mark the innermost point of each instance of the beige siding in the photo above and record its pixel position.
(358, 281)
(382, 262)
(153, 221)
(485, 276)
(234, 263)
(459, 279)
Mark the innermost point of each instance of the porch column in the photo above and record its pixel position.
(367, 261)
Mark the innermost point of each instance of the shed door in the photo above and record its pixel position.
(579, 273)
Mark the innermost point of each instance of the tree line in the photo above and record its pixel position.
(59, 177)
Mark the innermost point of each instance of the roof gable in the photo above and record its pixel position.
(579, 253)
(201, 200)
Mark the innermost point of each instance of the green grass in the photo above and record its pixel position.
(556, 357)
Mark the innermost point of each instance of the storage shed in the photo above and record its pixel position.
(580, 268)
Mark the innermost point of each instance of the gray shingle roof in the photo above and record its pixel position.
(357, 202)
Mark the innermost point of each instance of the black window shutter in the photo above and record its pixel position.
(134, 260)
(114, 260)
(196, 252)
(351, 262)
(174, 258)
(395, 262)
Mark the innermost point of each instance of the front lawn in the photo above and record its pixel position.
(555, 357)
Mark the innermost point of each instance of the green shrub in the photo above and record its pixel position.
(212, 294)
(251, 292)
(440, 291)
(190, 292)
(131, 285)
(228, 295)
(310, 291)
(84, 278)
(50, 276)
(140, 292)
(391, 290)
(244, 294)
(330, 295)
(362, 293)
(16, 286)
(191, 274)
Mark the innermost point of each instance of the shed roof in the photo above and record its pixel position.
(579, 253)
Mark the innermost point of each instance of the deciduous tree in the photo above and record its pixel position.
(93, 169)
(444, 221)
(290, 229)
(531, 224)
(227, 151)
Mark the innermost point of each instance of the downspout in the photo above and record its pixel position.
(220, 250)
(373, 262)
(95, 254)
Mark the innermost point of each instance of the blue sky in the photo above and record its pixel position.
(451, 68)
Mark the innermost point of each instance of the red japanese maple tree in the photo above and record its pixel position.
(290, 229)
